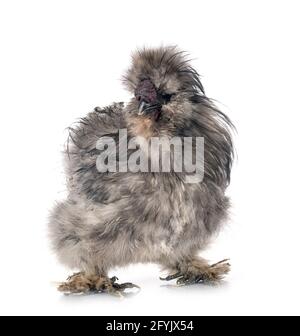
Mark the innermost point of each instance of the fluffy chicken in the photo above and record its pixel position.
(118, 218)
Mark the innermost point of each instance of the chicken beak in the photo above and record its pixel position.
(142, 107)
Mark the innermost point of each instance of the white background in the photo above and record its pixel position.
(59, 59)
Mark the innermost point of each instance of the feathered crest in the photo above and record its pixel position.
(167, 67)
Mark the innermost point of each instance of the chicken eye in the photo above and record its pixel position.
(167, 97)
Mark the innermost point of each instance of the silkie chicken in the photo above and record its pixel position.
(116, 218)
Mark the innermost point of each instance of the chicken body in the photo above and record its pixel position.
(118, 218)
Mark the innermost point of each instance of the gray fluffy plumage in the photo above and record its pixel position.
(115, 219)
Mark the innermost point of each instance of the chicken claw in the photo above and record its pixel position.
(80, 283)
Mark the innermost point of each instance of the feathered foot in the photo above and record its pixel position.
(199, 271)
(82, 283)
